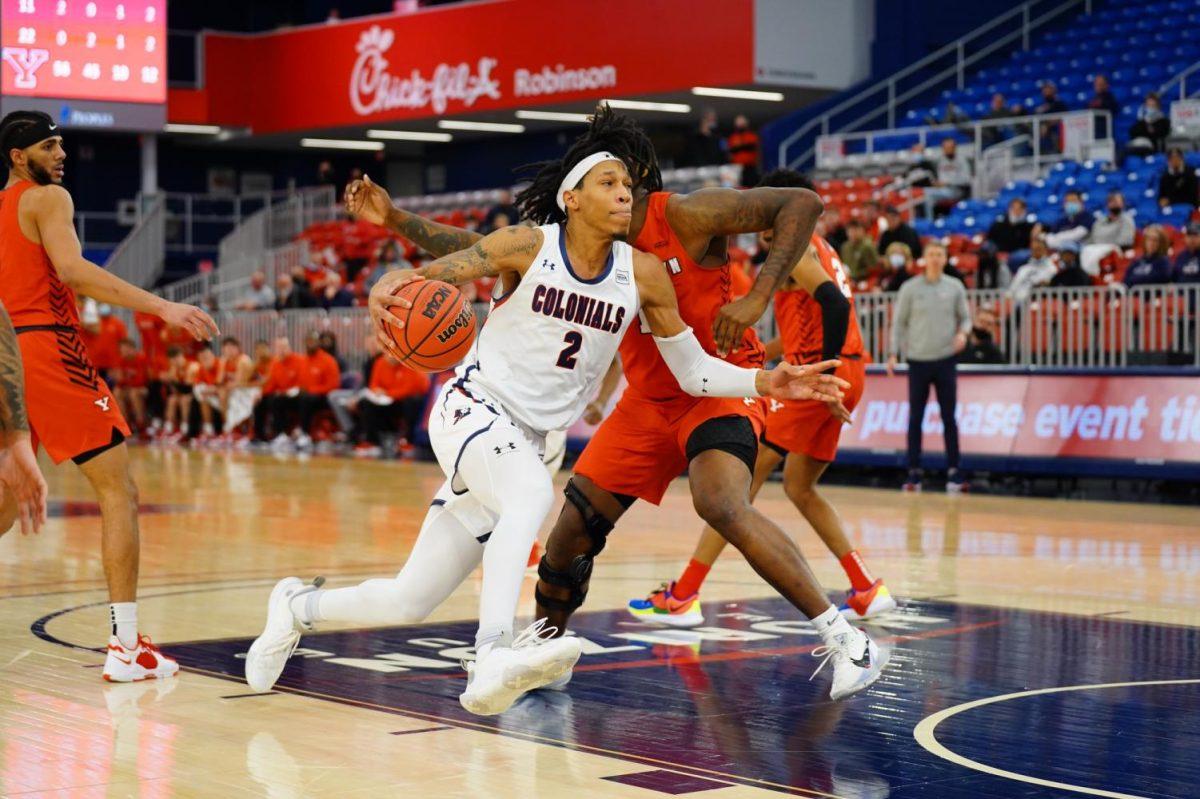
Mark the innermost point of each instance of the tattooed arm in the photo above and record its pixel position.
(708, 213)
(508, 250)
(370, 201)
(22, 488)
(12, 382)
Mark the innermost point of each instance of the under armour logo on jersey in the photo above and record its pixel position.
(505, 448)
(673, 266)
(102, 403)
(749, 403)
(704, 387)
(548, 264)
(775, 405)
(460, 414)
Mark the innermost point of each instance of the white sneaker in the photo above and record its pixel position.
(144, 662)
(281, 442)
(561, 683)
(505, 673)
(270, 651)
(304, 441)
(857, 662)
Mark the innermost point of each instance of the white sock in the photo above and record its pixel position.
(123, 617)
(307, 606)
(831, 624)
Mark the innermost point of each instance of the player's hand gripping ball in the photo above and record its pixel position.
(438, 329)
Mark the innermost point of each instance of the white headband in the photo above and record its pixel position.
(578, 171)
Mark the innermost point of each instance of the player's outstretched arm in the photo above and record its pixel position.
(53, 214)
(510, 249)
(369, 201)
(835, 304)
(19, 473)
(702, 375)
(791, 213)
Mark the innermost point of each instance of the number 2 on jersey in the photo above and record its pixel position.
(566, 358)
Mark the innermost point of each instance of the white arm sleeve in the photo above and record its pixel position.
(702, 375)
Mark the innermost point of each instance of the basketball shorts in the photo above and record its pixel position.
(642, 445)
(463, 413)
(71, 409)
(807, 427)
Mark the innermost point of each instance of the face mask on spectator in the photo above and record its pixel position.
(1115, 209)
(897, 260)
(982, 333)
(1015, 217)
(1073, 208)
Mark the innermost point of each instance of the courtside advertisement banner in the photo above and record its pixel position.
(1144, 419)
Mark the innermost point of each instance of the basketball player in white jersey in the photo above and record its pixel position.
(571, 290)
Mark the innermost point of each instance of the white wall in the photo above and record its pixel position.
(813, 43)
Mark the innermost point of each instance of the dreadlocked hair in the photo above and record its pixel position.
(786, 179)
(13, 123)
(608, 131)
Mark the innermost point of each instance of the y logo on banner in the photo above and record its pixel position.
(26, 62)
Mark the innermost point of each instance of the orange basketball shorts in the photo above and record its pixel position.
(71, 410)
(642, 445)
(805, 426)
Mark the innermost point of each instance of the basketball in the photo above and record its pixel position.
(438, 329)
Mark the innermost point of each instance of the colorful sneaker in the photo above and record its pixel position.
(875, 601)
(661, 607)
(145, 662)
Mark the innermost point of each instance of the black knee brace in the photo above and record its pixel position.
(594, 522)
(597, 528)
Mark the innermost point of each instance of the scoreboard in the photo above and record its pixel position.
(88, 63)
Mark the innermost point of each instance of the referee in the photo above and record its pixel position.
(930, 326)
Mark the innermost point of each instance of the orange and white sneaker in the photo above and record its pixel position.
(145, 662)
(662, 607)
(875, 601)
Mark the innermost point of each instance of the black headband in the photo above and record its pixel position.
(29, 135)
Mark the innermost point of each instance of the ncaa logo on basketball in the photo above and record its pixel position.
(435, 303)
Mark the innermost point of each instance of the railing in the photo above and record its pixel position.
(243, 251)
(139, 258)
(1181, 78)
(1094, 327)
(887, 96)
(1080, 142)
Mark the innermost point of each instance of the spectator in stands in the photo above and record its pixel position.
(1010, 233)
(998, 111)
(132, 376)
(103, 334)
(395, 393)
(930, 328)
(872, 219)
(900, 265)
(951, 115)
(334, 294)
(1187, 263)
(388, 259)
(858, 253)
(262, 362)
(991, 273)
(325, 174)
(258, 297)
(981, 342)
(1103, 100)
(1038, 271)
(1050, 131)
(1110, 233)
(1152, 124)
(291, 294)
(1154, 266)
(704, 144)
(344, 401)
(743, 149)
(1070, 270)
(830, 228)
(899, 230)
(281, 386)
(1075, 223)
(328, 342)
(953, 170)
(204, 376)
(504, 208)
(1178, 185)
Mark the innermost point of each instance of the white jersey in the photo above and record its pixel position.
(546, 345)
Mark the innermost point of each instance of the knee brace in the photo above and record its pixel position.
(594, 522)
(573, 579)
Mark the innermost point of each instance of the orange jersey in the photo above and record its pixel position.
(150, 329)
(133, 372)
(701, 291)
(284, 374)
(397, 380)
(799, 315)
(320, 373)
(207, 376)
(30, 288)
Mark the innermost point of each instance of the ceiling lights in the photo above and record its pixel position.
(342, 144)
(492, 127)
(641, 105)
(554, 116)
(179, 127)
(408, 135)
(738, 94)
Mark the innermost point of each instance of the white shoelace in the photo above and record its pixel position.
(289, 644)
(826, 651)
(534, 635)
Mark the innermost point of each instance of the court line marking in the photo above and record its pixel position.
(924, 734)
(422, 729)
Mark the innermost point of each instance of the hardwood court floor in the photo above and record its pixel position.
(1002, 596)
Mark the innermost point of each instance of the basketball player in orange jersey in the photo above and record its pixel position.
(657, 431)
(72, 413)
(815, 314)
